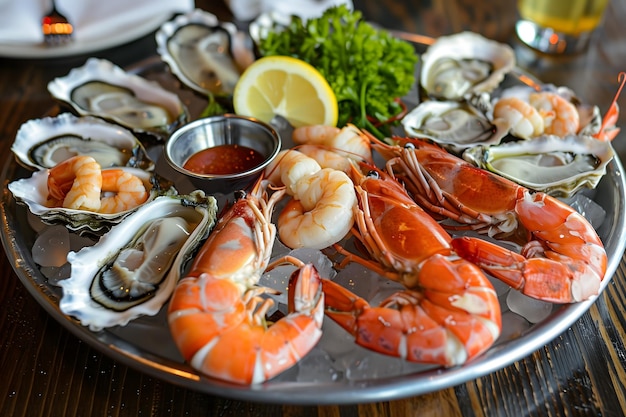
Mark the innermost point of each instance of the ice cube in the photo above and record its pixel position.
(278, 279)
(358, 279)
(51, 246)
(321, 262)
(513, 326)
(78, 242)
(530, 308)
(385, 289)
(364, 364)
(500, 287)
(55, 274)
(336, 341)
(316, 366)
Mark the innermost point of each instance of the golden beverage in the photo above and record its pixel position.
(571, 17)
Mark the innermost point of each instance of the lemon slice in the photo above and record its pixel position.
(285, 86)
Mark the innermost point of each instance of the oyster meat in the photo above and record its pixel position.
(102, 89)
(205, 54)
(551, 164)
(455, 125)
(133, 269)
(43, 143)
(33, 192)
(458, 66)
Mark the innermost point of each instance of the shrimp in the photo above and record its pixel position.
(216, 314)
(320, 212)
(348, 142)
(122, 191)
(325, 157)
(449, 312)
(524, 120)
(288, 167)
(560, 116)
(75, 184)
(562, 259)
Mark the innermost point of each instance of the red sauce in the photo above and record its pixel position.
(224, 159)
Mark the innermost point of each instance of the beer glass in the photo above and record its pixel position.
(559, 26)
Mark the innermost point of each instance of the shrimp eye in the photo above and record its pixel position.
(373, 174)
(409, 145)
(240, 195)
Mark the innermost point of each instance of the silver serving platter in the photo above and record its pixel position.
(137, 345)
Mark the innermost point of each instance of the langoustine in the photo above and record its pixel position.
(562, 259)
(449, 312)
(217, 314)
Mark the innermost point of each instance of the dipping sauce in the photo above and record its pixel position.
(223, 160)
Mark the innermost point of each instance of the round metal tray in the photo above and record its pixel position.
(137, 346)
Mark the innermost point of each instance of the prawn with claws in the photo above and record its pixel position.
(449, 312)
(217, 312)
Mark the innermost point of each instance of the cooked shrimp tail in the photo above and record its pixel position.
(122, 191)
(524, 120)
(75, 184)
(560, 116)
(332, 147)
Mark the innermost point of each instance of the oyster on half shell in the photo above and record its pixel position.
(455, 125)
(43, 143)
(551, 164)
(100, 88)
(133, 269)
(33, 192)
(458, 66)
(205, 54)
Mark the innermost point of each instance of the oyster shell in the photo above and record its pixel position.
(205, 54)
(557, 166)
(273, 21)
(43, 143)
(100, 88)
(133, 269)
(458, 66)
(455, 125)
(33, 192)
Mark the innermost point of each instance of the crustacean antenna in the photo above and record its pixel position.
(608, 131)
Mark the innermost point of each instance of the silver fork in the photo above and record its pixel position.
(56, 29)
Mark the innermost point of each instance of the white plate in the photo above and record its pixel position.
(77, 47)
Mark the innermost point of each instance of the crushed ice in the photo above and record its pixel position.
(530, 308)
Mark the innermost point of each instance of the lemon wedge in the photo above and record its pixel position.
(288, 87)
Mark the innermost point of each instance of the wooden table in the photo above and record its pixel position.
(46, 371)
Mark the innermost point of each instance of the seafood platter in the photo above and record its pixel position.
(133, 266)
